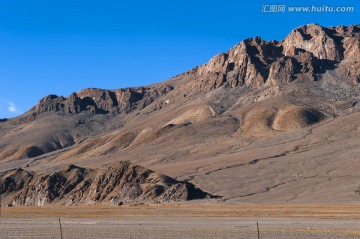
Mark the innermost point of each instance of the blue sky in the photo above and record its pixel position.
(59, 47)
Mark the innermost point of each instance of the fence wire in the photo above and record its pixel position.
(174, 228)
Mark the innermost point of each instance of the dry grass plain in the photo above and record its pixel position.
(183, 221)
(329, 211)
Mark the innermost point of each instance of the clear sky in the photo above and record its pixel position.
(62, 46)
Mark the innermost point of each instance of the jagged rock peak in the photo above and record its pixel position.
(306, 53)
(330, 43)
(98, 101)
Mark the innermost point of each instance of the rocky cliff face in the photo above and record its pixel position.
(122, 183)
(97, 101)
(305, 54)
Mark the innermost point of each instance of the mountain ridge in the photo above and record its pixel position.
(251, 63)
(265, 122)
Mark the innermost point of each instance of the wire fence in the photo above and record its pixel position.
(174, 228)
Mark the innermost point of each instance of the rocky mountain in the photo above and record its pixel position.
(122, 183)
(264, 122)
(305, 54)
(97, 101)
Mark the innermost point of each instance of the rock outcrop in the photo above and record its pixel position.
(303, 55)
(97, 101)
(122, 183)
(323, 43)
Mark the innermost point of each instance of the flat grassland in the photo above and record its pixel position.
(330, 211)
(183, 221)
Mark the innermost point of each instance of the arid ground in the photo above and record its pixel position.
(183, 221)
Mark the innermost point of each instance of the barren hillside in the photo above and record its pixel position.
(265, 122)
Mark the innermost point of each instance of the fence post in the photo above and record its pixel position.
(60, 229)
(258, 231)
(0, 201)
